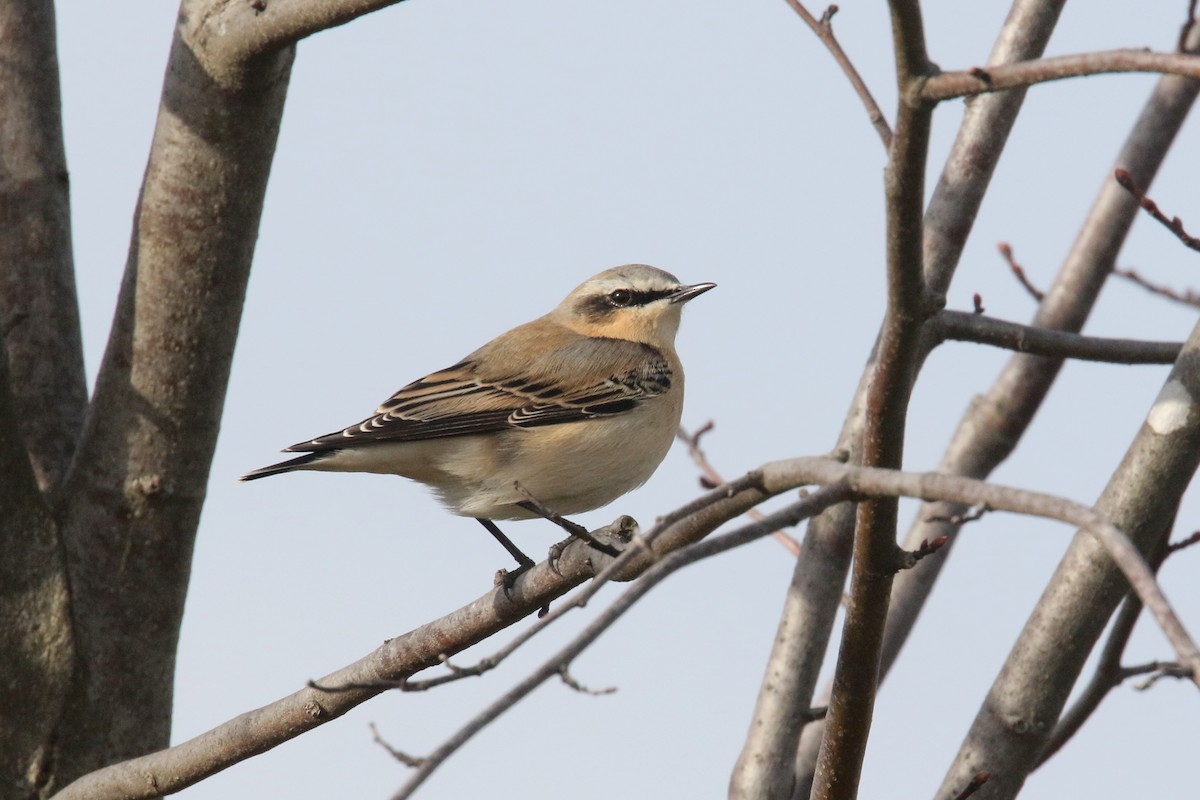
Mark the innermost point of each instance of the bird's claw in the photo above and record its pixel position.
(508, 578)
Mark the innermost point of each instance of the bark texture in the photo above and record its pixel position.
(111, 490)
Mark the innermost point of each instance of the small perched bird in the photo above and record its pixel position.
(560, 415)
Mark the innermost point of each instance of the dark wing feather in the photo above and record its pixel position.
(608, 377)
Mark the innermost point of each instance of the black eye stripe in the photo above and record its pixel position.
(638, 297)
(600, 306)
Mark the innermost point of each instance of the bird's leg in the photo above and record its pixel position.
(573, 528)
(524, 561)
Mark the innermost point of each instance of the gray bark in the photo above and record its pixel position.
(773, 763)
(125, 514)
(1141, 499)
(42, 396)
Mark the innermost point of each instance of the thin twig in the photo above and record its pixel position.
(823, 28)
(924, 550)
(1106, 677)
(406, 685)
(1108, 673)
(711, 479)
(1006, 251)
(1187, 298)
(399, 755)
(1175, 547)
(564, 672)
(1173, 224)
(1187, 26)
(1157, 671)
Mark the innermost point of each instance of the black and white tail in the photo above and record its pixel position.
(300, 462)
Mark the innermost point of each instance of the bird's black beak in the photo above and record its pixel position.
(685, 293)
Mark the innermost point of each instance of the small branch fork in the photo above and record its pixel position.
(1183, 544)
(1188, 297)
(1173, 224)
(823, 28)
(924, 550)
(1109, 674)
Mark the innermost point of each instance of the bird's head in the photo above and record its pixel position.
(634, 302)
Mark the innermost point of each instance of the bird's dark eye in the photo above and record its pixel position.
(620, 297)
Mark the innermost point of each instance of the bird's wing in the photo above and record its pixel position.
(584, 378)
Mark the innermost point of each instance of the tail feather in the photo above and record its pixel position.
(300, 462)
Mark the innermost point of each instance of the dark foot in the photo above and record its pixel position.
(508, 577)
(573, 528)
(555, 553)
(524, 562)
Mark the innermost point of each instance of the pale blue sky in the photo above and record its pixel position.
(449, 169)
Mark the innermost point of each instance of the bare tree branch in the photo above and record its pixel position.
(35, 616)
(851, 481)
(1017, 270)
(898, 357)
(1041, 669)
(42, 396)
(402, 757)
(1173, 224)
(1184, 543)
(1108, 673)
(996, 421)
(556, 664)
(711, 479)
(1157, 671)
(987, 122)
(132, 499)
(1187, 297)
(823, 28)
(964, 327)
(975, 81)
(1106, 677)
(38, 305)
(238, 33)
(254, 732)
(858, 481)
(251, 733)
(768, 765)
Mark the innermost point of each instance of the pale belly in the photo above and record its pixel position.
(568, 468)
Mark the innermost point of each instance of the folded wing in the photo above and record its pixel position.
(581, 379)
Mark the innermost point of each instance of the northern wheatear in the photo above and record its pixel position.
(565, 413)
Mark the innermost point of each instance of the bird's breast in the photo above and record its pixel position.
(578, 466)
